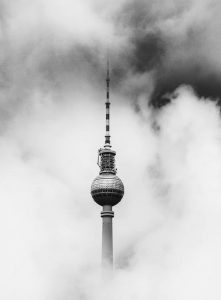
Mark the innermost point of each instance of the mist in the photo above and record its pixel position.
(165, 128)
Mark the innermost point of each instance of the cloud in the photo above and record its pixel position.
(175, 253)
(178, 42)
(49, 45)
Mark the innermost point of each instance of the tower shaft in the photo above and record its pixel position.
(107, 237)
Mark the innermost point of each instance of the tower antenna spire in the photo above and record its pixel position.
(107, 104)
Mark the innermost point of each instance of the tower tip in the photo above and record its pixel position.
(108, 70)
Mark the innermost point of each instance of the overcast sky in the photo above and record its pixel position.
(165, 127)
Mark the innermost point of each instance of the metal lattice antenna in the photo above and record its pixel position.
(107, 104)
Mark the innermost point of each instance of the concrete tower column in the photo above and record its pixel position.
(107, 237)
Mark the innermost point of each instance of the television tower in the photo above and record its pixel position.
(107, 189)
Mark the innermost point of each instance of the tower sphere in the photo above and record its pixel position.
(107, 189)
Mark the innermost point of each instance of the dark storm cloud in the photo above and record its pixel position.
(148, 53)
(177, 43)
(207, 84)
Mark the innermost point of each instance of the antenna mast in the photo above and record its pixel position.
(107, 104)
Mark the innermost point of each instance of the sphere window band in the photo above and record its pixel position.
(107, 189)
